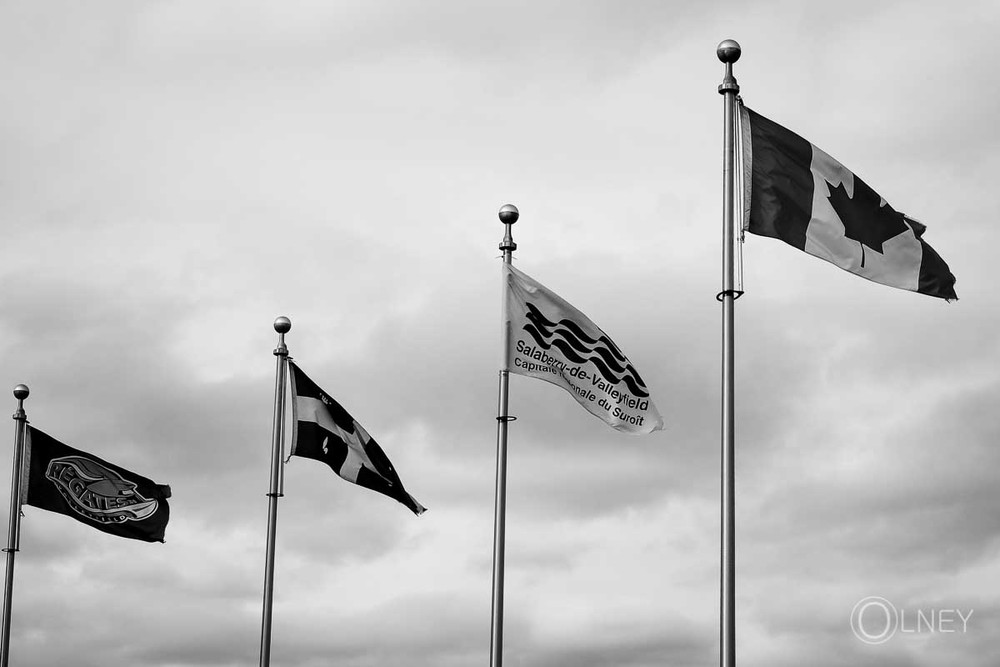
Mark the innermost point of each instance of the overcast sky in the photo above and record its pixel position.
(174, 175)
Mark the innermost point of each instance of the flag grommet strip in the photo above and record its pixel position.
(735, 293)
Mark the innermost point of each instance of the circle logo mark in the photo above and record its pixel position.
(874, 620)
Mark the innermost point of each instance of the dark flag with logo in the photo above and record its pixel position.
(327, 432)
(807, 199)
(91, 490)
(553, 341)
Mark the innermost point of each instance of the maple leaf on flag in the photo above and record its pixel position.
(866, 218)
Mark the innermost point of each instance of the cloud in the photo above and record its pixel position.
(174, 178)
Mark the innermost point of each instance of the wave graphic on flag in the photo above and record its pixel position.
(579, 348)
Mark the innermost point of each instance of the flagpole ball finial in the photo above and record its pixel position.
(21, 392)
(729, 51)
(508, 214)
(282, 325)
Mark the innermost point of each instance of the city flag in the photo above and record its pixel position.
(553, 341)
(92, 491)
(807, 199)
(327, 432)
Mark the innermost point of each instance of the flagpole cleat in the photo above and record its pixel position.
(282, 325)
(21, 392)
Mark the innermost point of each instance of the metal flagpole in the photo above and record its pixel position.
(508, 216)
(728, 52)
(14, 526)
(282, 325)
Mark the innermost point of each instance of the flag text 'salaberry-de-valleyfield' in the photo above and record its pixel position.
(325, 431)
(553, 341)
(806, 198)
(91, 490)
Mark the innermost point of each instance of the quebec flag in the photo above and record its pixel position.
(326, 432)
(553, 341)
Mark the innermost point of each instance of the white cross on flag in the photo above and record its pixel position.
(325, 431)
